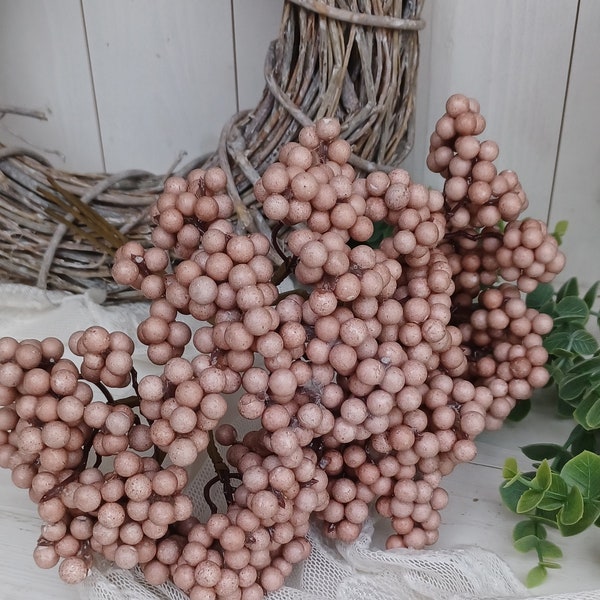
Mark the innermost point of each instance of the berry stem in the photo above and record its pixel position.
(222, 473)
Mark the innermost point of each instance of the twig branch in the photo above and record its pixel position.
(24, 112)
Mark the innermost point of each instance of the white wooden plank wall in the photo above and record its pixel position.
(129, 84)
(576, 195)
(535, 68)
(135, 83)
(44, 66)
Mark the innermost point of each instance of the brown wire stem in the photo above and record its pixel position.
(223, 474)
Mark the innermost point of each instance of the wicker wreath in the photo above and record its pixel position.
(355, 60)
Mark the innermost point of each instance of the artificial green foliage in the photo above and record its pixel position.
(562, 491)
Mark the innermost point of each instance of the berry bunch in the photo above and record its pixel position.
(364, 386)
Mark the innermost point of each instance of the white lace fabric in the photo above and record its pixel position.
(358, 571)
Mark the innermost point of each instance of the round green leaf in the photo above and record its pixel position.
(583, 471)
(591, 511)
(528, 527)
(585, 407)
(541, 451)
(591, 295)
(529, 500)
(527, 543)
(593, 415)
(569, 288)
(573, 509)
(549, 550)
(543, 477)
(536, 576)
(557, 340)
(542, 293)
(583, 342)
(510, 468)
(511, 493)
(572, 309)
(573, 386)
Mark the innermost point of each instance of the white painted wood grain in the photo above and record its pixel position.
(576, 195)
(513, 57)
(256, 24)
(44, 66)
(164, 78)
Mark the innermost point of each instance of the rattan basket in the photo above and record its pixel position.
(352, 59)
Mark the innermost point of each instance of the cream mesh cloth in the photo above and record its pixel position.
(360, 571)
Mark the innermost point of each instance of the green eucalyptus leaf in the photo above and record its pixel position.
(556, 340)
(550, 565)
(566, 356)
(543, 293)
(511, 493)
(550, 504)
(583, 471)
(593, 415)
(559, 231)
(572, 510)
(510, 468)
(586, 406)
(543, 477)
(529, 500)
(555, 496)
(591, 295)
(528, 527)
(541, 451)
(573, 386)
(549, 550)
(556, 374)
(536, 576)
(520, 411)
(546, 517)
(585, 367)
(526, 543)
(572, 310)
(583, 342)
(569, 288)
(558, 487)
(591, 512)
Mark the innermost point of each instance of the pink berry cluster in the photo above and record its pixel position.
(362, 387)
